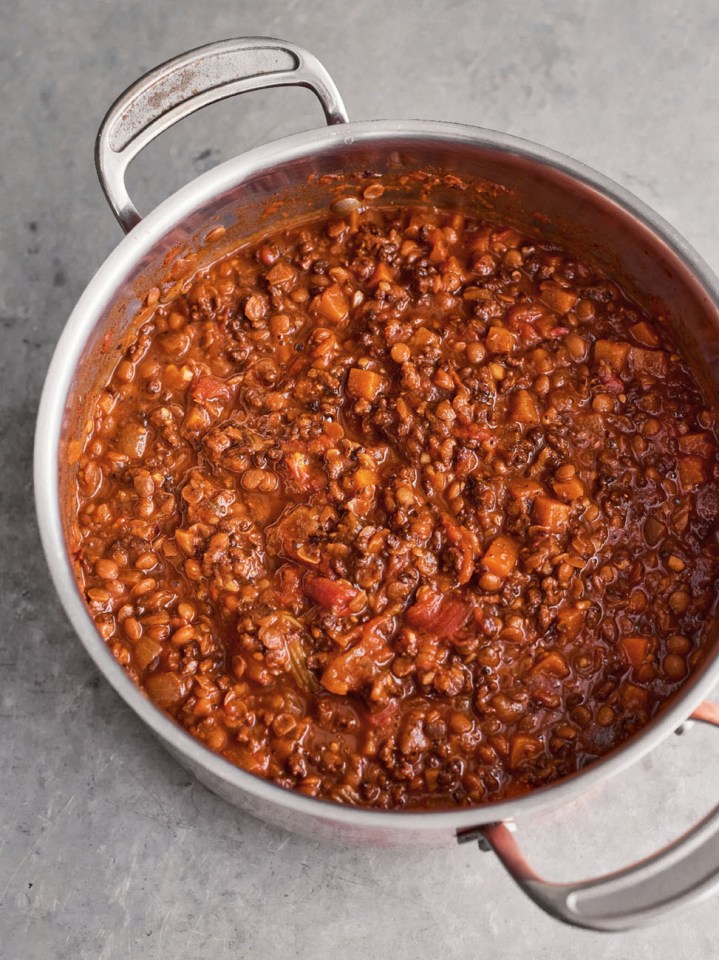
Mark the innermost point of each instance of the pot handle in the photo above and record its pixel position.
(193, 80)
(683, 873)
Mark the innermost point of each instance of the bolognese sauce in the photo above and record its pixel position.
(402, 508)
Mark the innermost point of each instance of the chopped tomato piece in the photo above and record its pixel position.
(384, 718)
(549, 328)
(424, 612)
(210, 388)
(453, 616)
(305, 474)
(611, 382)
(333, 595)
(528, 334)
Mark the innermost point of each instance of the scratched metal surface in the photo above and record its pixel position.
(107, 849)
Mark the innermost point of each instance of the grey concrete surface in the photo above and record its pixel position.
(107, 849)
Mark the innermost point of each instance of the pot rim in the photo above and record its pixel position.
(99, 294)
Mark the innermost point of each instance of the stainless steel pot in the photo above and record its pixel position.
(519, 182)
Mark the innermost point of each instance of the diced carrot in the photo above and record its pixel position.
(523, 748)
(332, 304)
(552, 514)
(655, 363)
(698, 444)
(569, 490)
(525, 490)
(634, 697)
(500, 340)
(334, 431)
(523, 407)
(612, 352)
(692, 472)
(145, 651)
(364, 384)
(570, 620)
(423, 337)
(501, 556)
(635, 649)
(645, 334)
(553, 664)
(557, 297)
(364, 478)
(281, 275)
(382, 272)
